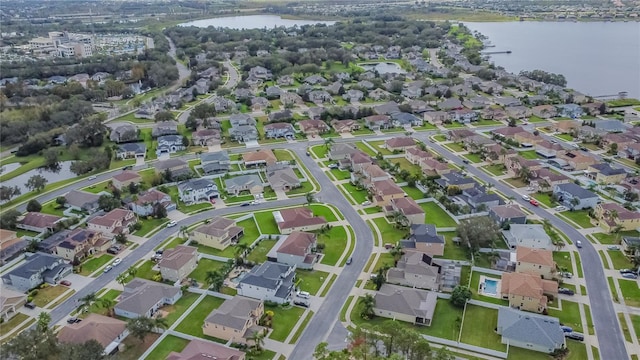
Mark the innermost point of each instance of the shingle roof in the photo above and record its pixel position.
(140, 295)
(177, 257)
(296, 217)
(216, 227)
(80, 198)
(261, 155)
(525, 327)
(127, 176)
(508, 211)
(204, 350)
(234, 312)
(102, 329)
(576, 191)
(401, 141)
(39, 220)
(407, 206)
(413, 302)
(297, 243)
(425, 233)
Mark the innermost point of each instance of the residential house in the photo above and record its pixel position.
(577, 160)
(80, 243)
(235, 321)
(603, 173)
(450, 104)
(535, 261)
(197, 190)
(273, 92)
(400, 143)
(259, 157)
(164, 128)
(281, 177)
(291, 98)
(379, 94)
(509, 213)
(419, 106)
(353, 95)
(314, 80)
(144, 205)
(544, 111)
(36, 269)
(507, 101)
(384, 191)
(341, 151)
(630, 245)
(433, 167)
(622, 140)
(313, 127)
(124, 179)
(497, 154)
(593, 108)
(611, 125)
(566, 126)
(38, 222)
(386, 108)
(123, 133)
(297, 219)
(215, 162)
(177, 263)
(528, 235)
(455, 179)
(410, 305)
(575, 197)
(243, 133)
(547, 149)
(515, 164)
(436, 117)
(107, 331)
(279, 130)
(414, 155)
(251, 183)
(412, 92)
(116, 221)
(527, 139)
(464, 116)
(612, 216)
(479, 200)
(260, 73)
(518, 112)
(320, 96)
(416, 270)
(345, 126)
(527, 292)
(425, 239)
(544, 179)
(403, 119)
(630, 151)
(205, 137)
(296, 249)
(359, 160)
(200, 349)
(285, 80)
(530, 331)
(82, 201)
(269, 281)
(370, 174)
(10, 245)
(10, 302)
(131, 151)
(408, 208)
(175, 166)
(218, 233)
(281, 116)
(377, 122)
(143, 298)
(458, 135)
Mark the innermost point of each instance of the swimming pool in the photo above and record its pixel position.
(490, 287)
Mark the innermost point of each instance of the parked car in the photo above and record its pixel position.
(534, 202)
(160, 251)
(389, 246)
(574, 336)
(172, 223)
(366, 202)
(107, 269)
(565, 291)
(626, 271)
(30, 305)
(303, 294)
(112, 251)
(565, 274)
(333, 166)
(116, 262)
(613, 247)
(303, 303)
(73, 320)
(560, 208)
(566, 329)
(584, 149)
(630, 276)
(128, 167)
(526, 197)
(349, 260)
(65, 282)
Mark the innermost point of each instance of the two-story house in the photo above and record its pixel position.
(408, 208)
(236, 320)
(535, 261)
(575, 197)
(377, 122)
(177, 263)
(281, 177)
(296, 249)
(215, 162)
(612, 216)
(603, 173)
(80, 243)
(279, 130)
(218, 233)
(197, 190)
(527, 292)
(177, 167)
(528, 235)
(425, 239)
(36, 269)
(143, 205)
(251, 183)
(116, 221)
(415, 269)
(270, 281)
(313, 127)
(107, 331)
(400, 143)
(409, 305)
(123, 179)
(510, 213)
(259, 157)
(384, 191)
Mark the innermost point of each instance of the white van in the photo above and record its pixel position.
(304, 294)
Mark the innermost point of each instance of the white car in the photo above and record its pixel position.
(365, 203)
(116, 262)
(526, 197)
(172, 224)
(92, 177)
(108, 268)
(560, 208)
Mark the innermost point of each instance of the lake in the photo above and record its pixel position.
(63, 174)
(383, 67)
(596, 58)
(253, 22)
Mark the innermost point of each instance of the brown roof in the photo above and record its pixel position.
(306, 125)
(296, 217)
(509, 131)
(623, 213)
(127, 176)
(508, 211)
(39, 220)
(151, 196)
(170, 164)
(261, 155)
(544, 173)
(401, 141)
(419, 153)
(8, 238)
(112, 217)
(407, 206)
(376, 118)
(216, 227)
(297, 243)
(525, 162)
(549, 145)
(374, 171)
(521, 284)
(387, 187)
(206, 350)
(101, 328)
(360, 158)
(535, 256)
(177, 257)
(434, 164)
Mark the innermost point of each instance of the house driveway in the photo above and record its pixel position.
(78, 281)
(253, 143)
(176, 215)
(215, 148)
(346, 135)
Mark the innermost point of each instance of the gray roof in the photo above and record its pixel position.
(607, 170)
(49, 244)
(219, 156)
(527, 231)
(576, 191)
(135, 147)
(425, 233)
(244, 180)
(413, 302)
(234, 312)
(38, 263)
(270, 275)
(196, 184)
(530, 328)
(80, 198)
(140, 295)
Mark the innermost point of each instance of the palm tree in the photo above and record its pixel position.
(524, 174)
(160, 323)
(258, 340)
(214, 279)
(400, 219)
(241, 249)
(132, 271)
(397, 253)
(107, 304)
(328, 142)
(88, 300)
(309, 197)
(44, 319)
(368, 303)
(122, 279)
(183, 231)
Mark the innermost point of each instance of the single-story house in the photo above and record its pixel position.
(144, 298)
(401, 303)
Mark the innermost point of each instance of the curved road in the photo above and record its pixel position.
(604, 317)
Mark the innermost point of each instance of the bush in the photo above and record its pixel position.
(33, 293)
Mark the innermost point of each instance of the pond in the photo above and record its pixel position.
(252, 22)
(63, 174)
(383, 67)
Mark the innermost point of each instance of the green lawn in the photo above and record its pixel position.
(366, 149)
(563, 260)
(495, 169)
(359, 196)
(478, 328)
(475, 285)
(454, 147)
(580, 217)
(630, 292)
(301, 328)
(614, 239)
(625, 327)
(474, 158)
(569, 315)
(48, 294)
(454, 125)
(439, 138)
(515, 182)
(283, 155)
(390, 234)
(635, 320)
(623, 102)
(16, 320)
(192, 324)
(435, 215)
(96, 308)
(176, 310)
(310, 281)
(323, 210)
(93, 264)
(266, 223)
(452, 250)
(166, 346)
(283, 321)
(385, 260)
(148, 225)
(379, 147)
(335, 243)
(306, 187)
(259, 253)
(545, 198)
(406, 165)
(145, 271)
(340, 174)
(564, 137)
(204, 265)
(529, 154)
(619, 260)
(52, 208)
(413, 192)
(486, 122)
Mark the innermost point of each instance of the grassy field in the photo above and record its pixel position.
(335, 242)
(452, 250)
(406, 165)
(390, 234)
(266, 222)
(478, 328)
(310, 281)
(635, 321)
(619, 260)
(454, 147)
(48, 294)
(359, 196)
(379, 147)
(413, 192)
(148, 225)
(529, 154)
(16, 320)
(439, 138)
(385, 260)
(630, 292)
(320, 151)
(580, 217)
(495, 169)
(435, 215)
(283, 321)
(93, 264)
(544, 198)
(614, 239)
(166, 346)
(563, 260)
(366, 149)
(323, 210)
(176, 310)
(192, 324)
(259, 253)
(340, 174)
(301, 328)
(569, 315)
(204, 265)
(474, 158)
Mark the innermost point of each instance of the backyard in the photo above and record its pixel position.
(192, 323)
(475, 285)
(267, 224)
(200, 272)
(259, 253)
(385, 260)
(615, 238)
(478, 328)
(166, 346)
(176, 310)
(413, 192)
(451, 250)
(335, 242)
(310, 280)
(435, 215)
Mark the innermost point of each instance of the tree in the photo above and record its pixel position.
(328, 142)
(34, 206)
(613, 149)
(524, 173)
(7, 192)
(159, 211)
(140, 327)
(214, 279)
(90, 350)
(258, 340)
(51, 159)
(368, 303)
(87, 300)
(380, 278)
(460, 296)
(108, 203)
(9, 218)
(477, 232)
(25, 346)
(61, 200)
(183, 231)
(241, 249)
(321, 352)
(121, 238)
(132, 271)
(122, 279)
(36, 182)
(164, 116)
(44, 319)
(107, 304)
(309, 197)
